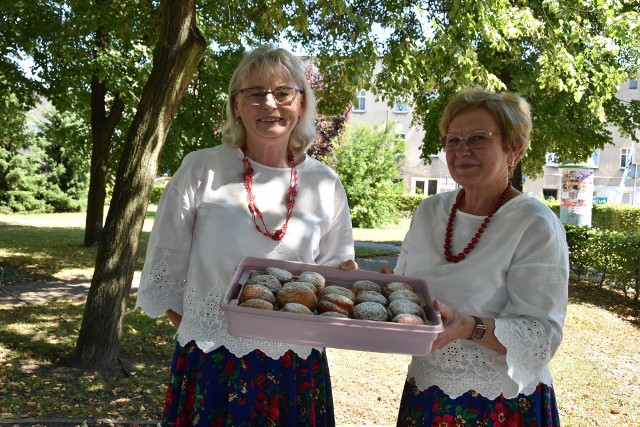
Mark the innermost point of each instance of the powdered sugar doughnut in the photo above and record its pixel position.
(405, 294)
(294, 307)
(257, 303)
(256, 292)
(338, 290)
(298, 293)
(391, 287)
(404, 306)
(314, 278)
(371, 296)
(266, 280)
(370, 311)
(281, 274)
(408, 319)
(365, 285)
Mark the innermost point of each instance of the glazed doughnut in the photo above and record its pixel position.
(256, 292)
(365, 285)
(267, 280)
(408, 319)
(257, 303)
(314, 278)
(390, 287)
(371, 296)
(281, 274)
(294, 307)
(333, 289)
(335, 302)
(370, 311)
(298, 293)
(405, 294)
(404, 306)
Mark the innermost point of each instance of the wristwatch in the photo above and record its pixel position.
(479, 330)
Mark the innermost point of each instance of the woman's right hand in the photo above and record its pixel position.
(175, 318)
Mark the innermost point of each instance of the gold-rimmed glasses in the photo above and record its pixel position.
(474, 140)
(256, 96)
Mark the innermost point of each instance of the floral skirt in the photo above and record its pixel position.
(220, 389)
(433, 408)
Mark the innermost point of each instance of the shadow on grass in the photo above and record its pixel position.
(35, 352)
(608, 299)
(36, 254)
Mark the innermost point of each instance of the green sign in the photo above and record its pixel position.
(599, 200)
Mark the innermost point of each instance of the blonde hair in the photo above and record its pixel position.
(269, 61)
(511, 111)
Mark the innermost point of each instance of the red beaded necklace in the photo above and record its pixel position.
(251, 199)
(452, 216)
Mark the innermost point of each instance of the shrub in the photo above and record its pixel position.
(366, 160)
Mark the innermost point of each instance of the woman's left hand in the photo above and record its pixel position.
(348, 265)
(456, 326)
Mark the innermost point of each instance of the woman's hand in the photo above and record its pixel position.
(175, 318)
(459, 325)
(456, 326)
(348, 265)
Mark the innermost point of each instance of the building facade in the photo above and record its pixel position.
(617, 166)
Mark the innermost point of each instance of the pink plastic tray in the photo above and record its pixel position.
(365, 335)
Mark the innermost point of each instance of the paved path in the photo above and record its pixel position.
(40, 292)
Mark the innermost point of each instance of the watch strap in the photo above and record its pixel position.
(479, 329)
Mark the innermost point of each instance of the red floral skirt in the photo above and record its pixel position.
(433, 408)
(220, 389)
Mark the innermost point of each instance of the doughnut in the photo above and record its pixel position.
(365, 285)
(333, 289)
(256, 292)
(370, 311)
(404, 306)
(390, 287)
(267, 280)
(371, 296)
(294, 307)
(307, 284)
(257, 303)
(333, 314)
(281, 274)
(405, 294)
(335, 302)
(408, 319)
(298, 293)
(314, 278)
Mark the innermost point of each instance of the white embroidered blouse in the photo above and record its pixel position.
(203, 228)
(517, 274)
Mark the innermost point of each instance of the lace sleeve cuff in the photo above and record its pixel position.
(530, 346)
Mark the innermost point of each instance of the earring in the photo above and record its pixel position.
(512, 164)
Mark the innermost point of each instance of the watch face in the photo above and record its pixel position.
(479, 332)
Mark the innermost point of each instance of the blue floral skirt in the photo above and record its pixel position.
(433, 408)
(220, 389)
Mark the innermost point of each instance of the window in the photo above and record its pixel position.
(626, 157)
(400, 106)
(596, 157)
(427, 187)
(361, 104)
(550, 193)
(633, 84)
(552, 159)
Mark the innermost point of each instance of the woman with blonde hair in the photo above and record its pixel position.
(258, 194)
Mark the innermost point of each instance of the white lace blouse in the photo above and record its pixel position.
(517, 274)
(203, 228)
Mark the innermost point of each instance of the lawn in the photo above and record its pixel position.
(596, 370)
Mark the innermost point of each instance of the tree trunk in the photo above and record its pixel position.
(176, 57)
(103, 127)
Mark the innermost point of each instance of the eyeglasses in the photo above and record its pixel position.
(474, 140)
(257, 96)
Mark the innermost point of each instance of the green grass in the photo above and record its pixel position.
(596, 369)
